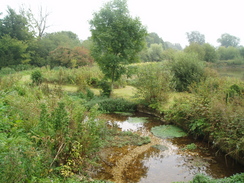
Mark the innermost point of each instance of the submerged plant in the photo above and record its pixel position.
(168, 131)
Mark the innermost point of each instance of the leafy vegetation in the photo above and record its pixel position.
(214, 111)
(238, 178)
(153, 82)
(117, 38)
(187, 69)
(47, 134)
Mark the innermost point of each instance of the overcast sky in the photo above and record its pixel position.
(170, 19)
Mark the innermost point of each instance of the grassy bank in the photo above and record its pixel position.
(52, 132)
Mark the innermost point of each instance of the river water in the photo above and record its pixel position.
(174, 162)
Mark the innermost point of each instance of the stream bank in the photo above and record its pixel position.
(208, 139)
(172, 162)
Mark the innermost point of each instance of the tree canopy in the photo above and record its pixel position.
(153, 38)
(195, 37)
(15, 25)
(227, 40)
(117, 38)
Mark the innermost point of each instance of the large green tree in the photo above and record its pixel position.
(196, 49)
(153, 38)
(227, 40)
(210, 54)
(13, 52)
(117, 38)
(195, 37)
(15, 25)
(40, 48)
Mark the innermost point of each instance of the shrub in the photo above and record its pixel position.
(106, 88)
(187, 69)
(113, 104)
(36, 77)
(153, 82)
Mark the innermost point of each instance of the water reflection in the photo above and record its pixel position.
(168, 165)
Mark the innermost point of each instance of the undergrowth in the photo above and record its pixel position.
(213, 111)
(200, 178)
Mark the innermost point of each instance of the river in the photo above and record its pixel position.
(174, 162)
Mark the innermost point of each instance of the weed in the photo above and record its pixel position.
(191, 146)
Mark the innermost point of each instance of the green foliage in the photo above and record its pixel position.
(153, 38)
(155, 52)
(168, 131)
(205, 113)
(228, 40)
(19, 159)
(195, 37)
(112, 105)
(198, 126)
(45, 134)
(205, 52)
(174, 46)
(200, 178)
(15, 25)
(53, 49)
(228, 53)
(36, 77)
(169, 54)
(66, 39)
(71, 58)
(7, 70)
(153, 84)
(191, 146)
(117, 38)
(197, 49)
(12, 52)
(106, 88)
(187, 69)
(81, 76)
(211, 54)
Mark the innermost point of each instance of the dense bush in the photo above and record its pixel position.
(153, 82)
(44, 134)
(12, 52)
(228, 53)
(112, 104)
(187, 69)
(36, 77)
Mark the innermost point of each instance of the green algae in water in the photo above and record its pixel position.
(124, 113)
(160, 147)
(168, 131)
(137, 120)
